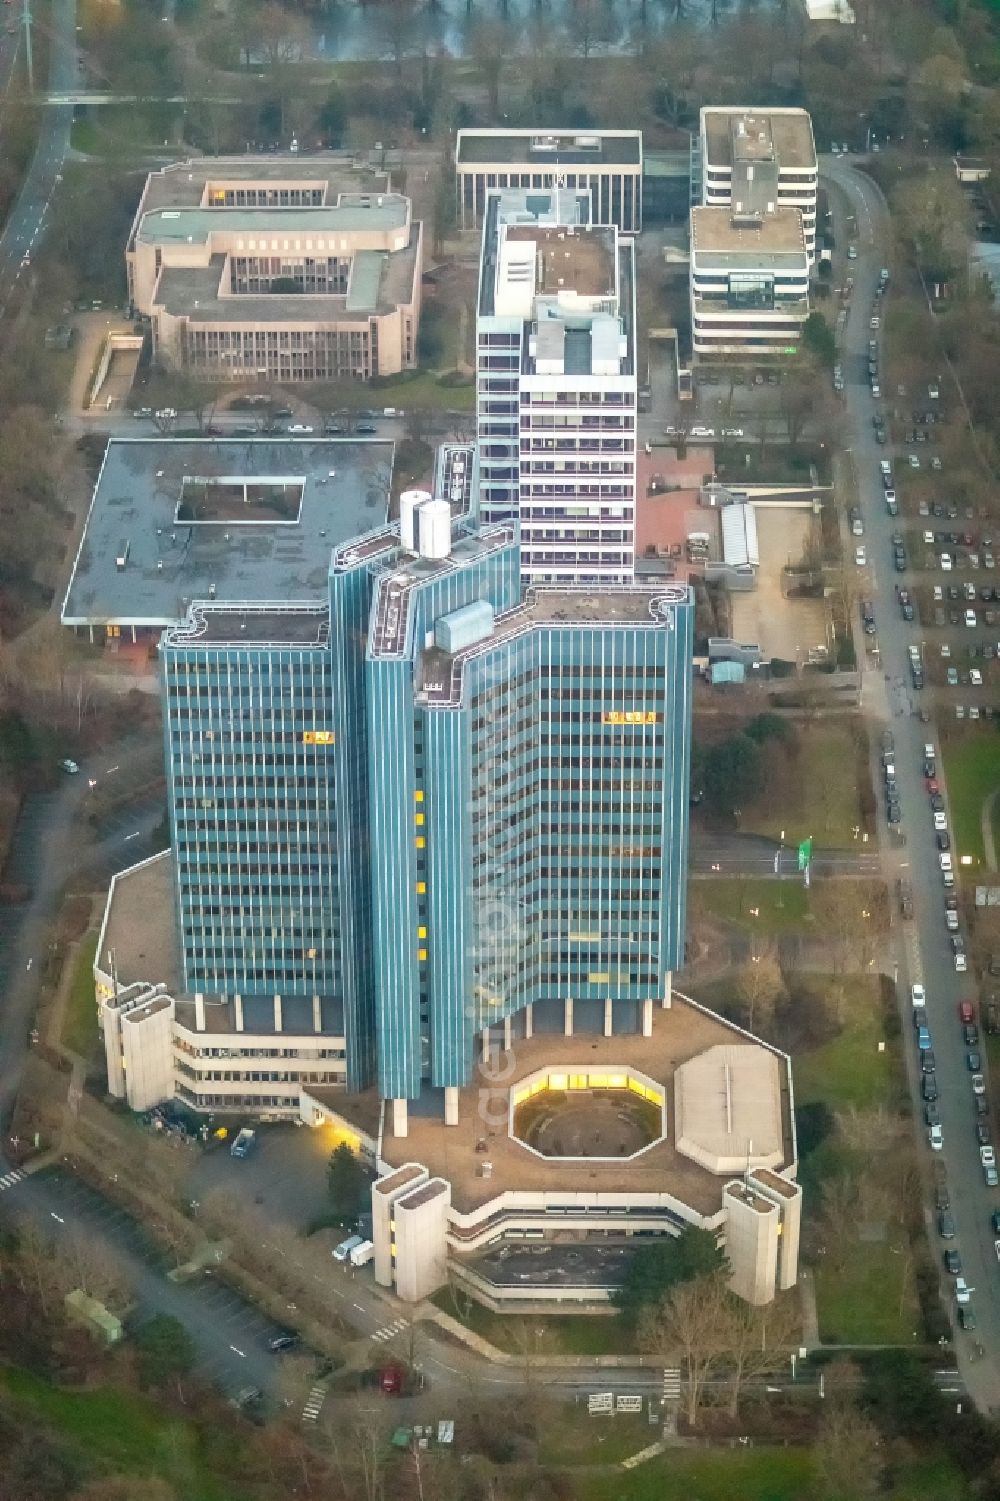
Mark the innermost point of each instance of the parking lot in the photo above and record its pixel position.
(230, 1335)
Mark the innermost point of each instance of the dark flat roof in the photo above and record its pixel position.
(622, 148)
(345, 487)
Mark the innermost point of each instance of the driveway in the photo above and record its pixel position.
(921, 945)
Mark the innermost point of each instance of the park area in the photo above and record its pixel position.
(972, 776)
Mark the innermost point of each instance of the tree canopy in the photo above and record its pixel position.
(346, 1182)
(663, 1264)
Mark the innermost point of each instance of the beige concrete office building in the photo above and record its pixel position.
(749, 283)
(760, 161)
(607, 163)
(293, 269)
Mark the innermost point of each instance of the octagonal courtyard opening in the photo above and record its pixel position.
(610, 1114)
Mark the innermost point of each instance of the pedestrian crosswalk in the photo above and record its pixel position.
(9, 1179)
(390, 1331)
(671, 1385)
(314, 1402)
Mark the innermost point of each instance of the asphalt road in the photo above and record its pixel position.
(24, 223)
(922, 946)
(753, 855)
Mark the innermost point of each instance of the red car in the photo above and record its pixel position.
(933, 785)
(966, 1011)
(390, 1380)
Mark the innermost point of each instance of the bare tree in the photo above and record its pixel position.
(849, 1458)
(760, 1339)
(691, 1322)
(760, 984)
(358, 1443)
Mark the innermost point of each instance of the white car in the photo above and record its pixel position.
(70, 767)
(918, 997)
(961, 964)
(733, 432)
(852, 252)
(975, 677)
(857, 527)
(914, 460)
(936, 1138)
(875, 321)
(978, 1084)
(946, 563)
(860, 557)
(987, 1157)
(933, 393)
(941, 823)
(945, 649)
(963, 1292)
(970, 619)
(699, 431)
(300, 427)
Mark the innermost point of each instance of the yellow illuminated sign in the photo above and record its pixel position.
(318, 737)
(630, 716)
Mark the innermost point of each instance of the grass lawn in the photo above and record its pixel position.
(569, 1334)
(823, 800)
(972, 770)
(759, 906)
(850, 1070)
(419, 388)
(864, 1303)
(79, 1031)
(576, 1438)
(117, 1431)
(759, 1474)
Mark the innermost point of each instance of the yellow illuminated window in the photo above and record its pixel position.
(421, 887)
(418, 797)
(317, 737)
(421, 953)
(421, 932)
(420, 819)
(421, 841)
(558, 1081)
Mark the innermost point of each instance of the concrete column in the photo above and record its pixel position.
(608, 1017)
(399, 1117)
(317, 1015)
(568, 1016)
(529, 1020)
(668, 990)
(485, 1036)
(508, 1037)
(277, 1013)
(199, 1011)
(647, 1018)
(238, 1010)
(451, 1105)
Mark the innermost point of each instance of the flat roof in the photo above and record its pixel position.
(613, 148)
(183, 183)
(399, 1179)
(225, 626)
(141, 926)
(457, 1153)
(351, 213)
(425, 1194)
(580, 259)
(170, 564)
(714, 230)
(791, 134)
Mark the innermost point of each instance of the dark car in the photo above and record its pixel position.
(966, 1317)
(928, 1087)
(970, 1035)
(281, 1342)
(982, 1133)
(937, 802)
(995, 1221)
(365, 428)
(980, 1104)
(927, 1061)
(974, 1062)
(932, 1116)
(946, 1226)
(942, 840)
(952, 1262)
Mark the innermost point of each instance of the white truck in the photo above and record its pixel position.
(361, 1255)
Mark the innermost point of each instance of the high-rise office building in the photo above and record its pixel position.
(758, 161)
(556, 385)
(427, 884)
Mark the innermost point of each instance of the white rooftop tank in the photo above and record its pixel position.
(409, 502)
(435, 529)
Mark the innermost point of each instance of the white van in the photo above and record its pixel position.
(343, 1251)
